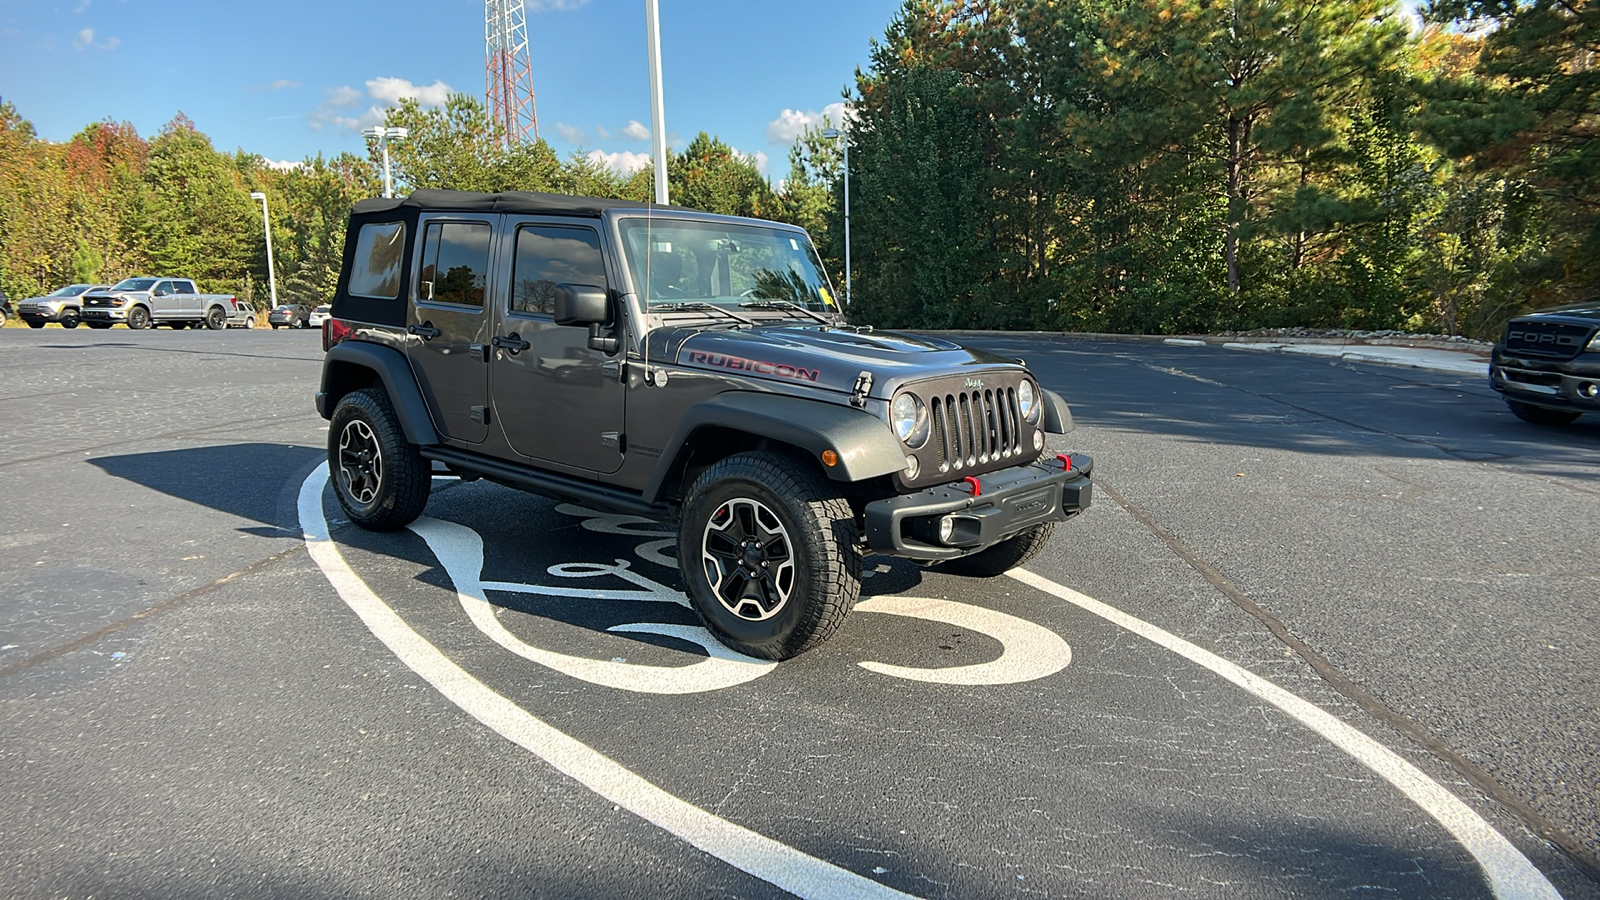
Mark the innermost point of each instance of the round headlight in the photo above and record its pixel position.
(1028, 401)
(909, 417)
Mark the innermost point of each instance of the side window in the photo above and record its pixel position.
(163, 288)
(455, 262)
(548, 255)
(184, 287)
(375, 271)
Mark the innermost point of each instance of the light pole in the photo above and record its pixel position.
(658, 112)
(383, 134)
(266, 223)
(844, 136)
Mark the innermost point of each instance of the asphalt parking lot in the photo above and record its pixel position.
(1329, 630)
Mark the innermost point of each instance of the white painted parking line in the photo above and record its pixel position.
(1511, 875)
(762, 857)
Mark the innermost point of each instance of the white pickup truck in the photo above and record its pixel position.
(141, 302)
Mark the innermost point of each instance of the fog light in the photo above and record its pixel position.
(947, 527)
(1589, 390)
(913, 468)
(1038, 440)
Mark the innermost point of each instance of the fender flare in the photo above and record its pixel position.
(393, 371)
(1057, 414)
(866, 446)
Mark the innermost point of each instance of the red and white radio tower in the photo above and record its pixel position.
(508, 74)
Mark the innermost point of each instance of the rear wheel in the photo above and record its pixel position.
(216, 319)
(1014, 551)
(1541, 415)
(138, 318)
(69, 319)
(769, 553)
(379, 477)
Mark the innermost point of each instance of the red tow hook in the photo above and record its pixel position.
(977, 489)
(1066, 461)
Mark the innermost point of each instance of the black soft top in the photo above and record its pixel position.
(506, 201)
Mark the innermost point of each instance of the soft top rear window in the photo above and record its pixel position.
(375, 271)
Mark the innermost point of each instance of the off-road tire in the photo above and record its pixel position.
(380, 478)
(820, 552)
(138, 318)
(216, 319)
(70, 320)
(1541, 415)
(1014, 551)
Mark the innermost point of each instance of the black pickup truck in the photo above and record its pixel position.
(690, 368)
(1547, 364)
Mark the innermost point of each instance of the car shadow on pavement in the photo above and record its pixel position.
(254, 481)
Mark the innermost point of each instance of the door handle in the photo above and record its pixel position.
(426, 331)
(511, 343)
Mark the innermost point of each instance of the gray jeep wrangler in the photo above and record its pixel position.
(689, 368)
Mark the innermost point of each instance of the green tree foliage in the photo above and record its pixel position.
(1528, 111)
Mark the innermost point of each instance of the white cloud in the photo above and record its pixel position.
(85, 41)
(338, 109)
(392, 90)
(603, 132)
(283, 165)
(572, 134)
(791, 123)
(636, 131)
(760, 159)
(623, 163)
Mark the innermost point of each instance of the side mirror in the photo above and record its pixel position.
(581, 304)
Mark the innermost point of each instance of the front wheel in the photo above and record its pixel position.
(1014, 551)
(379, 477)
(1541, 415)
(769, 553)
(138, 318)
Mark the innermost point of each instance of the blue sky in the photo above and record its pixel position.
(292, 78)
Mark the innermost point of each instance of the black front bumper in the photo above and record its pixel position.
(1005, 503)
(1556, 384)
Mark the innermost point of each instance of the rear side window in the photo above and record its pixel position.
(375, 272)
(184, 287)
(455, 263)
(548, 255)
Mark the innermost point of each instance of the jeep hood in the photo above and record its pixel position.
(826, 356)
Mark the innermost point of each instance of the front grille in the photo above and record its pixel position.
(1555, 340)
(97, 301)
(973, 427)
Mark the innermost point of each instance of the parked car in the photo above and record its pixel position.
(320, 315)
(244, 315)
(789, 443)
(64, 305)
(1547, 364)
(142, 302)
(290, 315)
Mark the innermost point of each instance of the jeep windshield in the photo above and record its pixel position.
(687, 264)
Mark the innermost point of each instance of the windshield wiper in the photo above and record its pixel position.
(784, 304)
(697, 306)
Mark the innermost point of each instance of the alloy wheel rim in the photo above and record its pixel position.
(360, 462)
(748, 559)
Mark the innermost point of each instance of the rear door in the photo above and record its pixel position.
(447, 333)
(188, 298)
(558, 401)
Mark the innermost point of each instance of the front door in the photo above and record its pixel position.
(447, 334)
(558, 401)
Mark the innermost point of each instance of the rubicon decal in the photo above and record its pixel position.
(760, 367)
